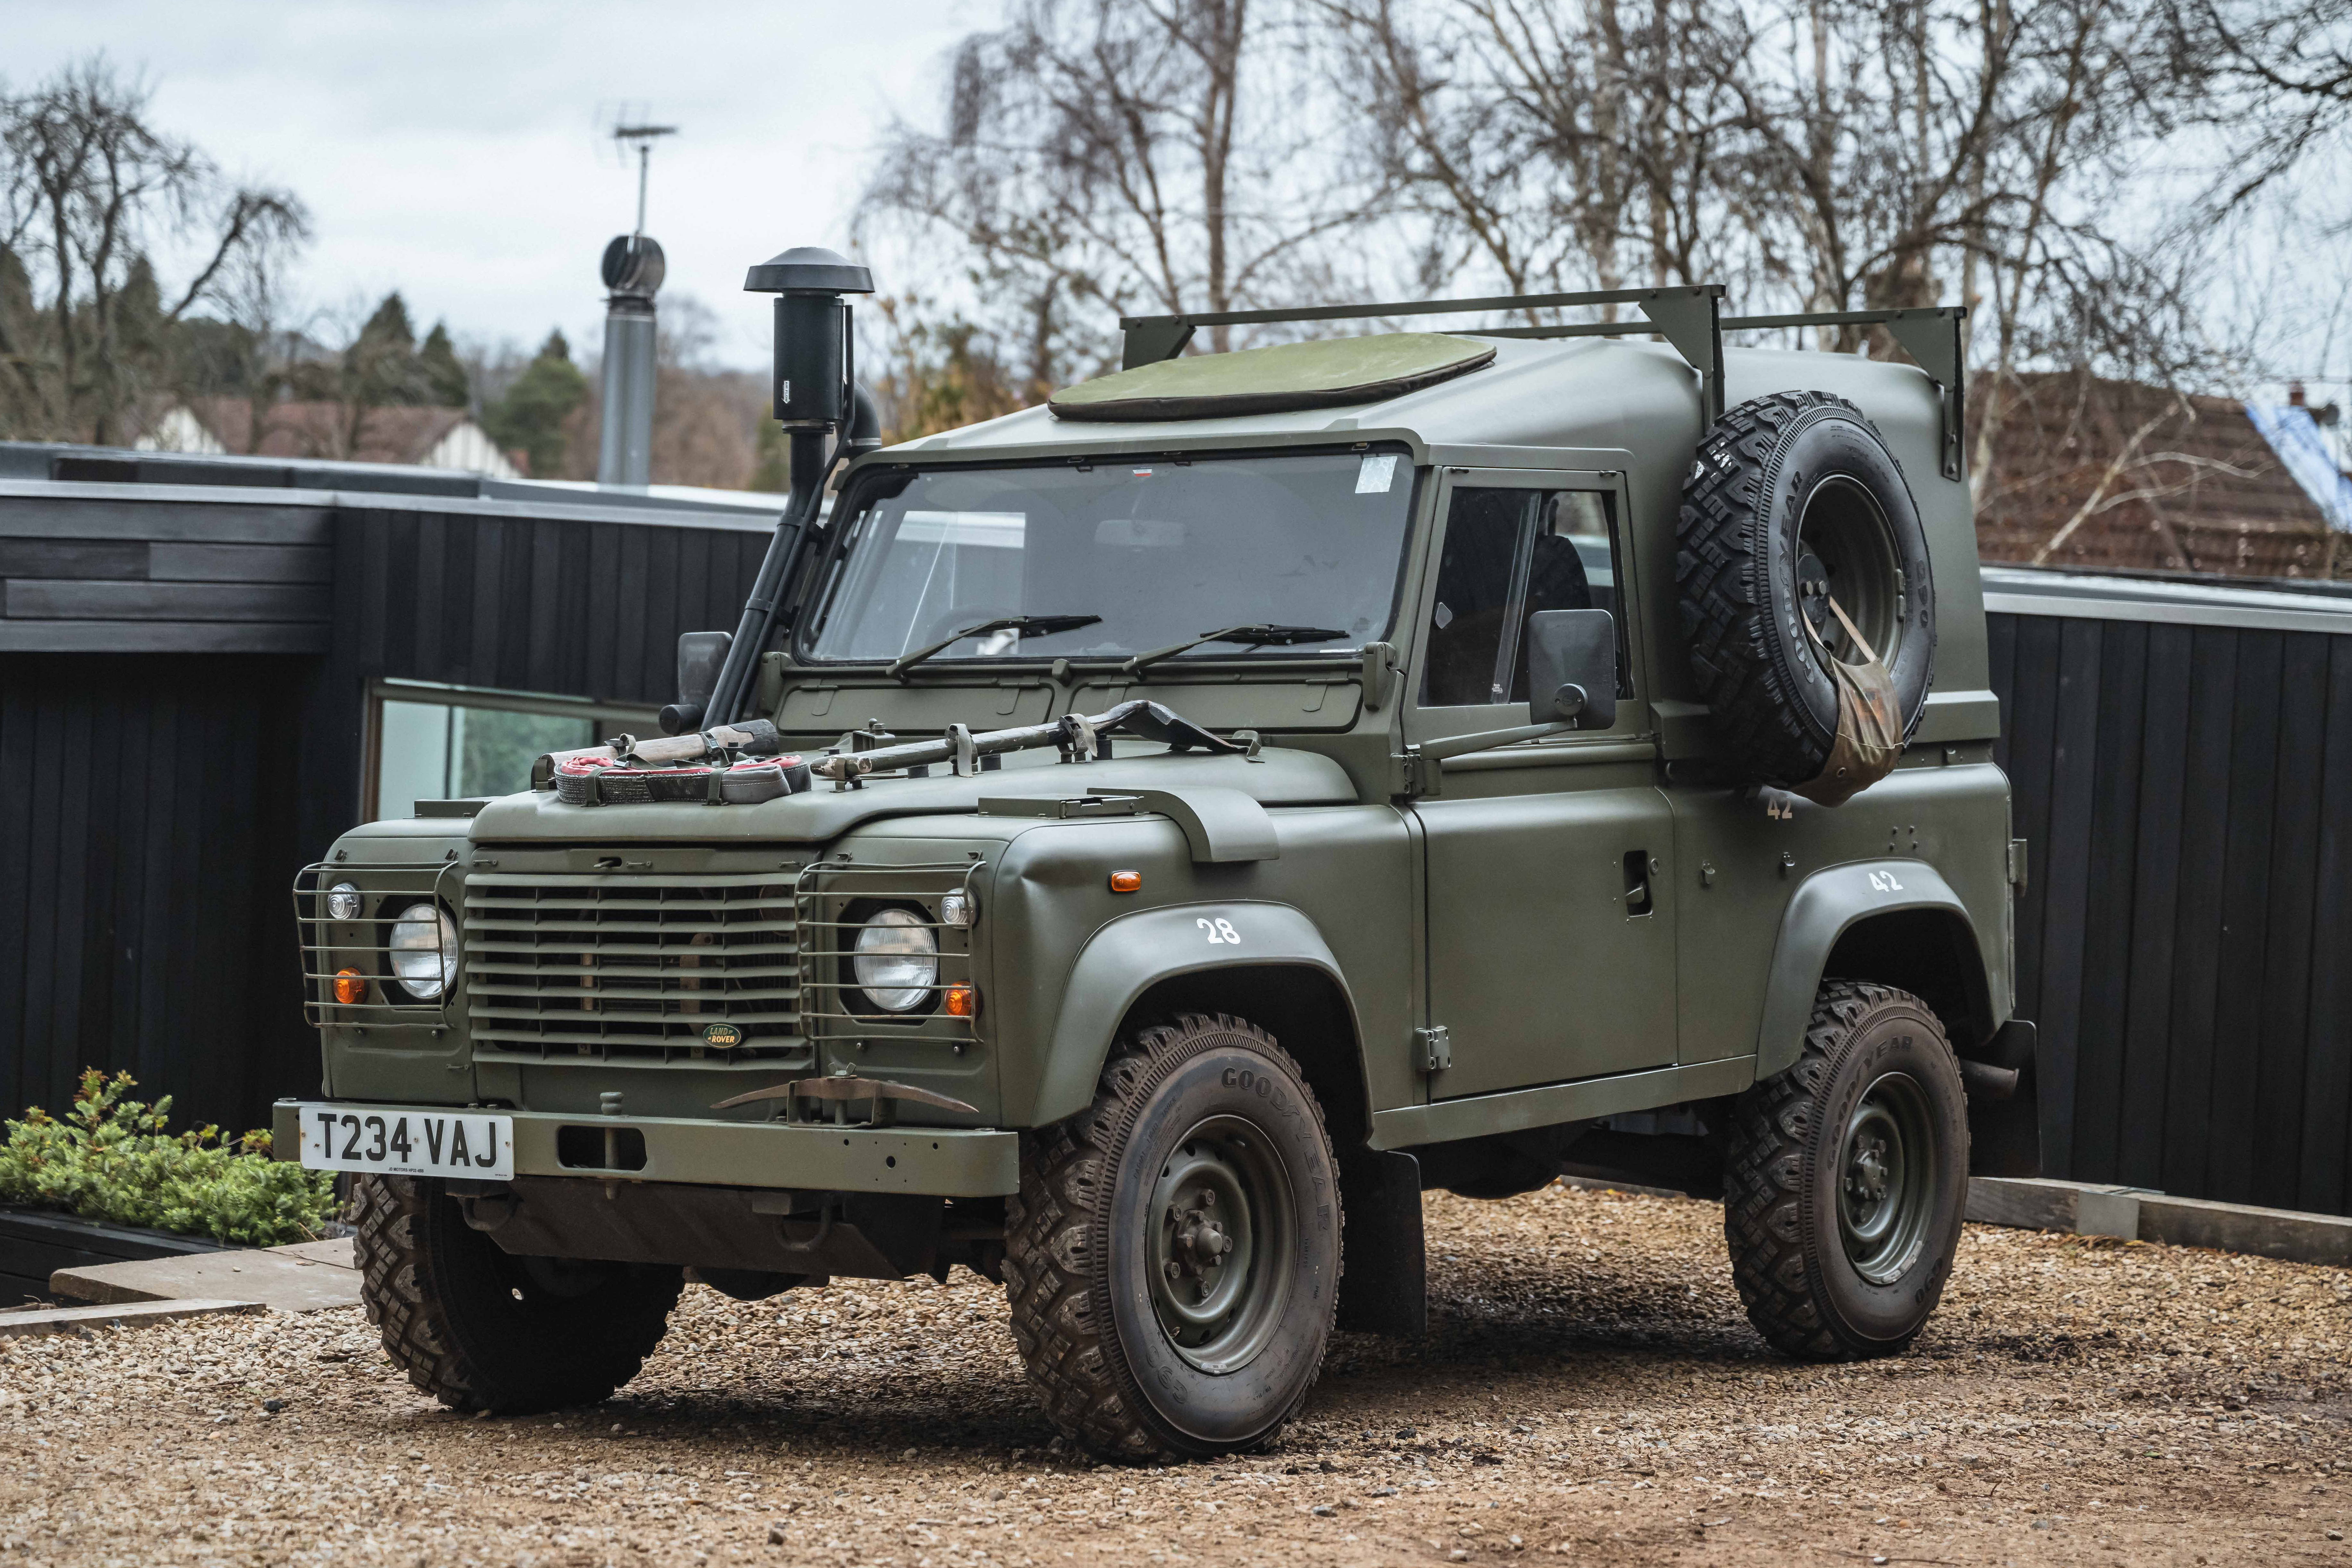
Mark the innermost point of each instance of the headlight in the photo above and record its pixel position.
(342, 903)
(424, 950)
(897, 960)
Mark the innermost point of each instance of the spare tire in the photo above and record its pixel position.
(1795, 499)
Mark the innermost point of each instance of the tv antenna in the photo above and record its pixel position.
(642, 138)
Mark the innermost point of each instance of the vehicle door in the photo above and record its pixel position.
(1551, 945)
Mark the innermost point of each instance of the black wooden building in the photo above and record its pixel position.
(202, 661)
(2181, 761)
(198, 661)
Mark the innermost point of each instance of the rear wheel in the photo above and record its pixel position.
(1173, 1255)
(480, 1328)
(1848, 1178)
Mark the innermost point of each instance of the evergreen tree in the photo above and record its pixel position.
(532, 414)
(381, 368)
(445, 386)
(389, 328)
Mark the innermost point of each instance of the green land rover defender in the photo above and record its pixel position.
(1133, 847)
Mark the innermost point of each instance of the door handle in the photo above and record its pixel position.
(1637, 883)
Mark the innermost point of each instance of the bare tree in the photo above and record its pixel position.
(1109, 156)
(2275, 75)
(1553, 146)
(88, 191)
(935, 371)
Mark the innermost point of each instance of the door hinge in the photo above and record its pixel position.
(1432, 1049)
(1419, 776)
(2017, 864)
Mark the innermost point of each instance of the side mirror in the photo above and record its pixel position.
(700, 656)
(1572, 667)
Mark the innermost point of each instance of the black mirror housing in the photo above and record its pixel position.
(1572, 667)
(700, 656)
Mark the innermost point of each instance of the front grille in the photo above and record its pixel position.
(611, 966)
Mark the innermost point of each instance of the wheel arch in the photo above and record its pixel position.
(1281, 976)
(1894, 922)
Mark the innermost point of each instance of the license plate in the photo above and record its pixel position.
(407, 1143)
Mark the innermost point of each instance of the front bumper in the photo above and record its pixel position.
(938, 1162)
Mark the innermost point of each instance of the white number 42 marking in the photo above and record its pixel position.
(1220, 932)
(1885, 882)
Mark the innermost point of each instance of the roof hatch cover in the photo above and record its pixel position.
(1320, 374)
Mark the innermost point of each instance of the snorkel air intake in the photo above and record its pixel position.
(826, 418)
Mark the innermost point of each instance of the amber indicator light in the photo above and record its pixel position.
(962, 1001)
(1125, 882)
(350, 987)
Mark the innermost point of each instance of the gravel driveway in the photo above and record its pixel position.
(1589, 1388)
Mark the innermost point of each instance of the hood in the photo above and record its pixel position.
(1276, 777)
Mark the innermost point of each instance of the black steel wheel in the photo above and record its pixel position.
(1173, 1255)
(1222, 1215)
(1847, 1179)
(1885, 1189)
(480, 1328)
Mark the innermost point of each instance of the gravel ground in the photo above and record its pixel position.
(1589, 1388)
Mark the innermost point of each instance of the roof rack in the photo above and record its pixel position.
(1688, 316)
(1932, 335)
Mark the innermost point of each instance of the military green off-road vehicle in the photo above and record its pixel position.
(1133, 847)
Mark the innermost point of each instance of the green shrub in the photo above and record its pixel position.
(112, 1159)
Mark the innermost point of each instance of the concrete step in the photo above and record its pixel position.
(2141, 1214)
(119, 1315)
(308, 1277)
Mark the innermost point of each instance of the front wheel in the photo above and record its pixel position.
(1847, 1179)
(483, 1330)
(1173, 1255)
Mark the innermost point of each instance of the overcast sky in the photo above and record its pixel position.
(456, 151)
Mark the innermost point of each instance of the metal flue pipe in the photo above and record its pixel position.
(632, 270)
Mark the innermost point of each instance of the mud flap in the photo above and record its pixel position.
(1383, 1271)
(2005, 1104)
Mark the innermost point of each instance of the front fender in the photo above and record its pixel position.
(1132, 954)
(1825, 906)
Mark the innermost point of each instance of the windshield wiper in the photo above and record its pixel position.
(1251, 636)
(1032, 625)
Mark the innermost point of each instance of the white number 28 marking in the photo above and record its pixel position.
(1220, 932)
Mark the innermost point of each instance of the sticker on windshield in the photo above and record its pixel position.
(1376, 473)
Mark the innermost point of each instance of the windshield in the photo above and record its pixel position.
(1162, 550)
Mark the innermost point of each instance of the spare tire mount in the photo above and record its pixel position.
(1795, 499)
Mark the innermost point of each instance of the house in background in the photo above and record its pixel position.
(417, 437)
(2096, 475)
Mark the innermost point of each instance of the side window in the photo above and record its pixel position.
(1509, 553)
(1571, 567)
(1474, 596)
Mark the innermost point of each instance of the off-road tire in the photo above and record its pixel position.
(1087, 1356)
(1780, 1218)
(1735, 572)
(480, 1331)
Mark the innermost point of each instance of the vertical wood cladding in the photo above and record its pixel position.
(165, 801)
(2184, 943)
(587, 609)
(146, 854)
